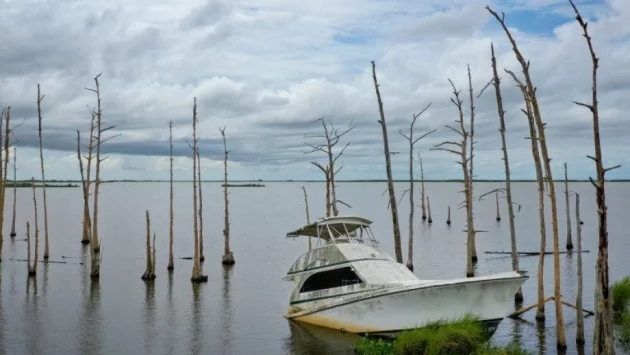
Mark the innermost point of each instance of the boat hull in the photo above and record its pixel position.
(414, 306)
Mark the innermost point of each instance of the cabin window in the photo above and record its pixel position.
(330, 279)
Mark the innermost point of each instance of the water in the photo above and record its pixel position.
(239, 311)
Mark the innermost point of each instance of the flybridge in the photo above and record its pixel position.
(340, 229)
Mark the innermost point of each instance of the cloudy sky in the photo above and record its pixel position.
(267, 69)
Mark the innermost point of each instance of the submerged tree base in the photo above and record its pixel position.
(228, 259)
(199, 279)
(410, 267)
(85, 241)
(148, 276)
(13, 234)
(170, 268)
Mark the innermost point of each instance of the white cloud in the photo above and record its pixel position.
(267, 71)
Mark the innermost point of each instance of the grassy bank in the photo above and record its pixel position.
(621, 311)
(465, 336)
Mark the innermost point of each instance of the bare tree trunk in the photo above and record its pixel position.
(411, 203)
(603, 337)
(196, 273)
(412, 142)
(87, 222)
(518, 297)
(448, 218)
(471, 157)
(4, 161)
(328, 192)
(540, 125)
(171, 264)
(533, 135)
(579, 335)
(429, 220)
(422, 195)
(97, 178)
(41, 161)
(2, 116)
(149, 274)
(34, 269)
(87, 227)
(308, 217)
(228, 256)
(567, 208)
(13, 234)
(463, 154)
(388, 167)
(201, 255)
(498, 217)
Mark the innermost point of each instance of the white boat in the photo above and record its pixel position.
(346, 282)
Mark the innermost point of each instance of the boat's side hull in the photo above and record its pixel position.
(414, 307)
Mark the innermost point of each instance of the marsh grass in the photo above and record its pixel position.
(461, 337)
(621, 298)
(621, 310)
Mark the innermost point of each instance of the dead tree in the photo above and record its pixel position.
(429, 219)
(540, 181)
(171, 264)
(41, 161)
(149, 273)
(197, 276)
(308, 217)
(34, 268)
(388, 168)
(87, 229)
(471, 157)
(448, 218)
(87, 223)
(603, 337)
(412, 141)
(498, 217)
(331, 136)
(228, 256)
(423, 207)
(13, 234)
(202, 257)
(449, 146)
(540, 125)
(5, 118)
(98, 142)
(567, 208)
(579, 335)
(518, 297)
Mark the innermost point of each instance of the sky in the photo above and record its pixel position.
(267, 70)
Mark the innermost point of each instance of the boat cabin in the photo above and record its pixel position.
(345, 260)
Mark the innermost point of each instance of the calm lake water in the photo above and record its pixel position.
(239, 311)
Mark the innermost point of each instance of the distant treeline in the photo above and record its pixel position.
(248, 183)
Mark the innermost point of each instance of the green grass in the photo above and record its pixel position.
(464, 336)
(621, 298)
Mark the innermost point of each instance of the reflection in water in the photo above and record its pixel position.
(196, 327)
(227, 311)
(170, 316)
(90, 340)
(542, 344)
(149, 316)
(517, 330)
(308, 339)
(33, 328)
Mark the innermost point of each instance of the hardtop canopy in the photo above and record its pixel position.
(338, 226)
